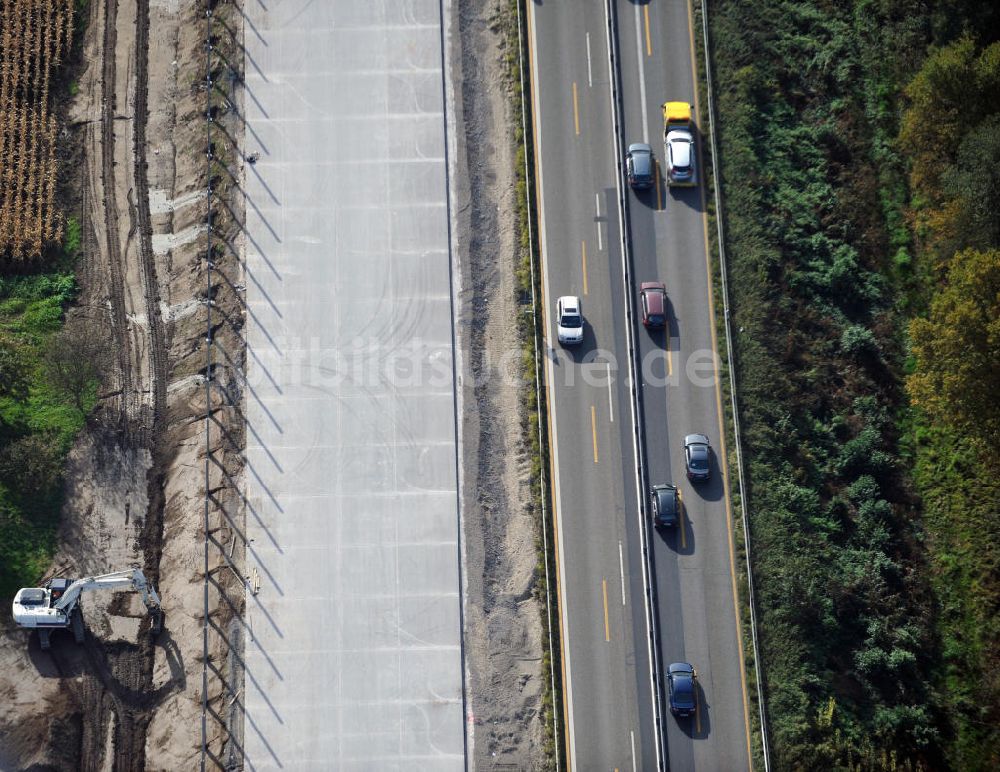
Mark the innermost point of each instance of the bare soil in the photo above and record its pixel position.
(504, 634)
(136, 483)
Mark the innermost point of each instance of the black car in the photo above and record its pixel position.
(639, 166)
(680, 681)
(666, 505)
(697, 453)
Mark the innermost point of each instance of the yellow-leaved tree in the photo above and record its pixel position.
(957, 349)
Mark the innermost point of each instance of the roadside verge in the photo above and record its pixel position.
(748, 617)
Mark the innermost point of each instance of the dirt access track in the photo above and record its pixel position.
(136, 476)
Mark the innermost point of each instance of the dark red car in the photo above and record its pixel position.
(653, 296)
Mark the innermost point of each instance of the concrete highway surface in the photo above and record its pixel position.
(611, 714)
(353, 643)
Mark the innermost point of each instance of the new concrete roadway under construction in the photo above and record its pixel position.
(355, 659)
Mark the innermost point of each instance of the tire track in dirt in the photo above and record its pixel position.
(124, 673)
(147, 262)
(90, 275)
(131, 667)
(119, 669)
(116, 288)
(152, 534)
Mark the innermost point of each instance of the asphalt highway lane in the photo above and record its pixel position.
(605, 638)
(693, 567)
(607, 666)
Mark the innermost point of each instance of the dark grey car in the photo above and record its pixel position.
(639, 166)
(697, 454)
(666, 505)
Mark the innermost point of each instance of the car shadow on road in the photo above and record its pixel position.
(711, 489)
(648, 197)
(661, 336)
(672, 331)
(684, 533)
(698, 726)
(690, 197)
(680, 539)
(576, 353)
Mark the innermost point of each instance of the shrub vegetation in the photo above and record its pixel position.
(38, 420)
(864, 284)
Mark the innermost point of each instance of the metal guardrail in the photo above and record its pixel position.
(732, 391)
(611, 14)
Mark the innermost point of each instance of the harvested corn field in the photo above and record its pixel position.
(35, 37)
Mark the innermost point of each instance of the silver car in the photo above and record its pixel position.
(569, 320)
(680, 158)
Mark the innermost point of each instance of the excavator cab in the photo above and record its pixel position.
(57, 587)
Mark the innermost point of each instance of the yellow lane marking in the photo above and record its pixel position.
(670, 358)
(607, 627)
(576, 110)
(718, 407)
(697, 712)
(548, 404)
(680, 519)
(649, 41)
(583, 253)
(593, 428)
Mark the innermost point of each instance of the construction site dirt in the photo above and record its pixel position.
(139, 482)
(135, 481)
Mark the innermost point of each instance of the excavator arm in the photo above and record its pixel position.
(120, 580)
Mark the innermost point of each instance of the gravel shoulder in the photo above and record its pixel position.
(503, 635)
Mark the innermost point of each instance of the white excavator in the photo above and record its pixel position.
(56, 606)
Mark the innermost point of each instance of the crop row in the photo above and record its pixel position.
(35, 36)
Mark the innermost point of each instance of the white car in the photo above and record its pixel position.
(680, 158)
(569, 320)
